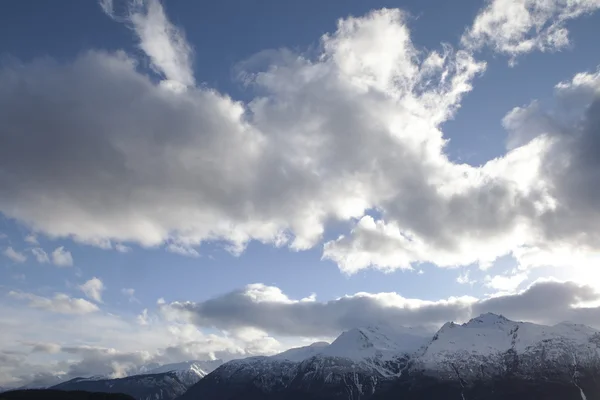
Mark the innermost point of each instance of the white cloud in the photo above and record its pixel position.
(40, 255)
(62, 257)
(142, 318)
(355, 128)
(170, 54)
(121, 248)
(31, 239)
(130, 294)
(105, 344)
(465, 279)
(60, 303)
(506, 283)
(182, 250)
(14, 255)
(516, 27)
(93, 289)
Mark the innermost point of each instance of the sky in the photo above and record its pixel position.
(196, 180)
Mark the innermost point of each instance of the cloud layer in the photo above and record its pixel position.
(267, 308)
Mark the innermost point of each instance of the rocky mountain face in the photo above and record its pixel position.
(489, 357)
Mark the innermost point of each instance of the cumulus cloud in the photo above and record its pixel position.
(60, 303)
(356, 128)
(268, 309)
(93, 289)
(517, 27)
(14, 255)
(62, 257)
(40, 255)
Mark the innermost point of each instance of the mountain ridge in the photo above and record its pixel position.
(487, 353)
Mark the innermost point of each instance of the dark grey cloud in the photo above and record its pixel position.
(545, 302)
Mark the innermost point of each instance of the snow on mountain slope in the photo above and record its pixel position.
(164, 386)
(301, 353)
(363, 361)
(491, 344)
(375, 343)
(189, 372)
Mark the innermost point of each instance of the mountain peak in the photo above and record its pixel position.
(488, 319)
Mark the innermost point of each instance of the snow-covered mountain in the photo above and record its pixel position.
(490, 345)
(151, 382)
(163, 386)
(488, 357)
(188, 372)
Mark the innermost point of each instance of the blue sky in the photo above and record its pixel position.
(231, 156)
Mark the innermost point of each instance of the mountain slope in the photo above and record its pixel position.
(489, 357)
(165, 386)
(188, 372)
(350, 367)
(47, 394)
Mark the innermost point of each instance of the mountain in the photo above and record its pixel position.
(350, 367)
(46, 394)
(162, 386)
(188, 372)
(154, 382)
(489, 357)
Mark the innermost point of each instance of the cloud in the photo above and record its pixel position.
(326, 138)
(41, 347)
(465, 279)
(254, 320)
(121, 248)
(40, 255)
(130, 294)
(93, 289)
(182, 250)
(519, 27)
(268, 309)
(14, 255)
(100, 343)
(170, 54)
(62, 257)
(240, 172)
(506, 283)
(31, 239)
(60, 303)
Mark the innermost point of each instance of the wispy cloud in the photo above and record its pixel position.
(60, 303)
(40, 255)
(164, 43)
(14, 255)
